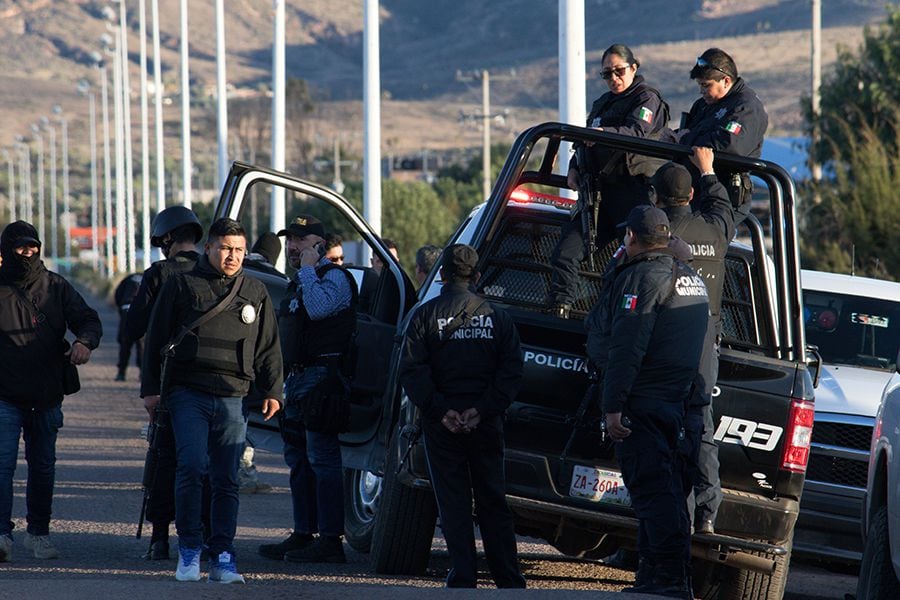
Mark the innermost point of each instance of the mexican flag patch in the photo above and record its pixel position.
(645, 115)
(733, 127)
(629, 301)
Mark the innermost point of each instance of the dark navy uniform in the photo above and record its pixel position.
(639, 111)
(645, 336)
(161, 498)
(479, 366)
(708, 230)
(124, 296)
(735, 124)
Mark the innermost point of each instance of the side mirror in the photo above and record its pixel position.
(814, 362)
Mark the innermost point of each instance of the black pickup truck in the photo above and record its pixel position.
(577, 502)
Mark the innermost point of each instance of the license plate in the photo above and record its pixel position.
(598, 485)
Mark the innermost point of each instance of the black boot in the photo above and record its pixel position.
(326, 549)
(670, 579)
(159, 543)
(120, 376)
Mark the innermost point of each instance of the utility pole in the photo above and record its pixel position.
(221, 94)
(54, 209)
(815, 95)
(276, 218)
(157, 111)
(371, 117)
(11, 180)
(145, 148)
(571, 73)
(186, 167)
(486, 118)
(36, 129)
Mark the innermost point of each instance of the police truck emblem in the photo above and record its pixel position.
(248, 314)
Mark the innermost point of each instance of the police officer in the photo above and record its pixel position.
(36, 309)
(708, 230)
(176, 231)
(645, 336)
(461, 365)
(124, 296)
(317, 321)
(630, 107)
(728, 117)
(223, 329)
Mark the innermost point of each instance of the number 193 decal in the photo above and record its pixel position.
(751, 434)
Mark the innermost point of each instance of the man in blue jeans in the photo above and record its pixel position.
(316, 321)
(36, 309)
(225, 336)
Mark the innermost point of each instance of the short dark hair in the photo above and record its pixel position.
(389, 243)
(225, 226)
(652, 240)
(622, 51)
(718, 65)
(332, 240)
(426, 256)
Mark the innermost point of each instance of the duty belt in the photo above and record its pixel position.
(327, 360)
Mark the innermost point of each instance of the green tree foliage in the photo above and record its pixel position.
(856, 218)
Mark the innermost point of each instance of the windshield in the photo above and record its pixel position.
(853, 330)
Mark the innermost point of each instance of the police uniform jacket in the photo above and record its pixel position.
(479, 366)
(151, 283)
(735, 124)
(639, 111)
(646, 332)
(708, 229)
(31, 368)
(225, 354)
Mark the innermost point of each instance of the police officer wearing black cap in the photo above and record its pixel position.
(317, 322)
(176, 231)
(223, 329)
(461, 365)
(645, 336)
(708, 227)
(728, 117)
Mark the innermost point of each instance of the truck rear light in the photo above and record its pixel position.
(524, 195)
(799, 436)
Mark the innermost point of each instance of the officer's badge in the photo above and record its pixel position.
(629, 301)
(596, 122)
(294, 305)
(248, 314)
(720, 113)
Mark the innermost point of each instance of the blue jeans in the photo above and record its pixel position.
(39, 428)
(317, 485)
(209, 438)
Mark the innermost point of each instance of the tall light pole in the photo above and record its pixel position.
(85, 88)
(371, 116)
(157, 111)
(67, 207)
(27, 213)
(11, 188)
(278, 107)
(186, 167)
(36, 130)
(221, 94)
(815, 95)
(54, 212)
(107, 170)
(145, 150)
(571, 72)
(121, 233)
(126, 121)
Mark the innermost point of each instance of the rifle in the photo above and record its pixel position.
(579, 423)
(588, 204)
(160, 420)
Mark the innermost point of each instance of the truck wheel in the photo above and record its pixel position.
(741, 584)
(877, 580)
(362, 493)
(404, 524)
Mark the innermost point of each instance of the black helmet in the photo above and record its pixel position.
(171, 219)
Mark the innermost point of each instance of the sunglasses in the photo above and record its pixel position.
(618, 71)
(705, 64)
(336, 259)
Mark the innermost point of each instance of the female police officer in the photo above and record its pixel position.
(630, 107)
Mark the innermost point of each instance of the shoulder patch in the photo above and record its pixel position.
(733, 127)
(629, 301)
(645, 115)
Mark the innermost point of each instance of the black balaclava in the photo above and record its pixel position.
(19, 269)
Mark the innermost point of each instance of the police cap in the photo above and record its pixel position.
(672, 183)
(304, 225)
(459, 260)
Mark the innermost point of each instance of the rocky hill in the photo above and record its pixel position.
(47, 47)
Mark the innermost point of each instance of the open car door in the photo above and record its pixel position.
(384, 298)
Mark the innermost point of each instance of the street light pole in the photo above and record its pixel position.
(278, 108)
(107, 174)
(186, 167)
(157, 107)
(67, 208)
(40, 169)
(126, 114)
(371, 116)
(85, 88)
(54, 216)
(221, 95)
(145, 150)
(11, 177)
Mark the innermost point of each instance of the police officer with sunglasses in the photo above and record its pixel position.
(728, 117)
(630, 107)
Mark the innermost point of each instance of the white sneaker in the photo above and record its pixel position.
(6, 544)
(188, 564)
(222, 569)
(41, 546)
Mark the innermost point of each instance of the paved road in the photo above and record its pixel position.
(100, 457)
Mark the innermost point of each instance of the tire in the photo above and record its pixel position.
(362, 494)
(877, 579)
(404, 524)
(742, 584)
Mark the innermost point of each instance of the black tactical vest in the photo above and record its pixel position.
(302, 339)
(708, 246)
